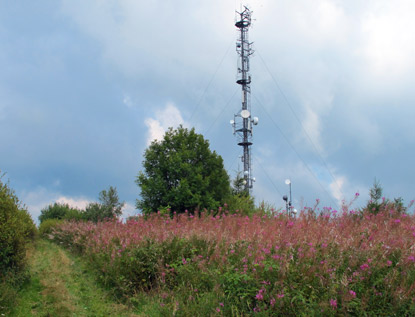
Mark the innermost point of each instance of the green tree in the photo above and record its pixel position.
(181, 171)
(108, 207)
(240, 201)
(60, 211)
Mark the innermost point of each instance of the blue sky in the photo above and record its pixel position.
(86, 85)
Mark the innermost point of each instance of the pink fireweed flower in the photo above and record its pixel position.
(184, 261)
(352, 293)
(357, 194)
(272, 302)
(411, 258)
(389, 263)
(259, 296)
(364, 266)
(221, 304)
(333, 303)
(280, 295)
(218, 310)
(397, 220)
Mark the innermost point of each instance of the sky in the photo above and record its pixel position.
(85, 86)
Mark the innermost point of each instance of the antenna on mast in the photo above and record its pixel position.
(243, 122)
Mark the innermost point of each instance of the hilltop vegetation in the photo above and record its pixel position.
(17, 229)
(356, 262)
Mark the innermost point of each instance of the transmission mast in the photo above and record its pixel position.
(243, 122)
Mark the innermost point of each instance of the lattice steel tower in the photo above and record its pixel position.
(243, 122)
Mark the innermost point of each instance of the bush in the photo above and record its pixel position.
(60, 211)
(240, 203)
(16, 230)
(47, 226)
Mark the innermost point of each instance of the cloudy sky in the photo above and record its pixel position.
(86, 85)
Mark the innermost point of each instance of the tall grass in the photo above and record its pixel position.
(327, 264)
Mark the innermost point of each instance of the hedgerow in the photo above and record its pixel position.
(17, 229)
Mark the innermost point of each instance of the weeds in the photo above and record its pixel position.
(326, 264)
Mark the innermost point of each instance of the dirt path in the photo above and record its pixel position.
(61, 286)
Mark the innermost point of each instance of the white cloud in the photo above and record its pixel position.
(128, 211)
(79, 203)
(387, 39)
(337, 188)
(170, 116)
(127, 100)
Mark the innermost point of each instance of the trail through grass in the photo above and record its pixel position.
(61, 285)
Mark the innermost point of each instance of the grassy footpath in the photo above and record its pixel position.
(60, 285)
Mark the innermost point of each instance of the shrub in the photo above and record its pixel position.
(60, 211)
(241, 203)
(16, 230)
(47, 226)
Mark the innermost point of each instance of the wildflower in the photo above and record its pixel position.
(280, 295)
(352, 293)
(389, 263)
(184, 261)
(333, 303)
(357, 194)
(259, 296)
(221, 304)
(364, 266)
(411, 258)
(272, 302)
(218, 310)
(397, 220)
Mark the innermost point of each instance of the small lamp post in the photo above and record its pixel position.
(288, 203)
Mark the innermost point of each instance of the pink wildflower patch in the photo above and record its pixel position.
(333, 303)
(364, 266)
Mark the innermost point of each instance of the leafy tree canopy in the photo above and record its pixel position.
(108, 207)
(59, 211)
(182, 173)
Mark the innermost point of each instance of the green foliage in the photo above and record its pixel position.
(60, 211)
(17, 229)
(377, 203)
(241, 203)
(182, 172)
(108, 207)
(47, 226)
